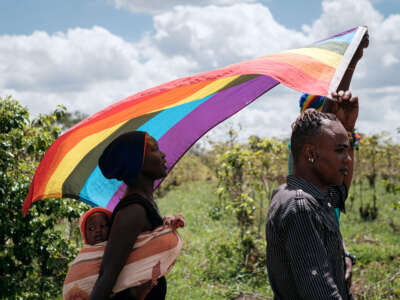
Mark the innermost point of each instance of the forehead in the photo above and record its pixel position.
(96, 217)
(334, 132)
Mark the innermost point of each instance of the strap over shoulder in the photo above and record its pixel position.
(152, 212)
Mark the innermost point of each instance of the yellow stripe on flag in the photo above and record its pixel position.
(73, 158)
(327, 57)
(209, 89)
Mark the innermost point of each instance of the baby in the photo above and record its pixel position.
(95, 225)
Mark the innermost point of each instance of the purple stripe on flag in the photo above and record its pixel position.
(116, 197)
(336, 35)
(215, 110)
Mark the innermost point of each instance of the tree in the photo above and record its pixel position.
(246, 175)
(370, 159)
(33, 254)
(67, 119)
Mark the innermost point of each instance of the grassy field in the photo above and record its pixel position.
(377, 247)
(199, 274)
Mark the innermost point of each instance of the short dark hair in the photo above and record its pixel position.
(305, 129)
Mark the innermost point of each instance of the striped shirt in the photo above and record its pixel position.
(305, 256)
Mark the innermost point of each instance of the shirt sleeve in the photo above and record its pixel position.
(308, 258)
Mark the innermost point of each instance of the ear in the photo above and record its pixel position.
(309, 152)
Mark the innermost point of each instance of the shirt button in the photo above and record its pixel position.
(314, 272)
(329, 205)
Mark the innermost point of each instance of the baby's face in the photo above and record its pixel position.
(97, 228)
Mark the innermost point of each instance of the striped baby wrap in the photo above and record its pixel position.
(153, 256)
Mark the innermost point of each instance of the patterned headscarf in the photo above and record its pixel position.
(311, 101)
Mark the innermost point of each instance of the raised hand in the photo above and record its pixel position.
(348, 75)
(349, 272)
(344, 106)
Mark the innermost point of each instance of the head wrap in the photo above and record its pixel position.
(307, 101)
(123, 158)
(86, 215)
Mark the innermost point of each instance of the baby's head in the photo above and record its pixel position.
(95, 225)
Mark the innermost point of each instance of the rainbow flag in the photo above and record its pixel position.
(179, 112)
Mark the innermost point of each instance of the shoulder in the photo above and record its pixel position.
(132, 205)
(290, 208)
(288, 204)
(130, 215)
(134, 209)
(286, 201)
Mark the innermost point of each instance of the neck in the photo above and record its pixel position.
(143, 186)
(306, 173)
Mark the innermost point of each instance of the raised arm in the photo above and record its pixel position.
(128, 224)
(345, 107)
(345, 83)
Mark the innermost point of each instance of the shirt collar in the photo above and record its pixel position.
(300, 183)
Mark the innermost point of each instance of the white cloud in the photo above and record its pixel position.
(70, 61)
(340, 15)
(270, 115)
(216, 36)
(376, 68)
(88, 69)
(389, 59)
(379, 110)
(158, 6)
(85, 69)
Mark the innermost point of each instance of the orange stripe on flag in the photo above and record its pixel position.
(307, 64)
(63, 145)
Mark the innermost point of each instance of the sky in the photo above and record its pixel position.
(88, 54)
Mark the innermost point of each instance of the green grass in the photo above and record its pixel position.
(189, 277)
(375, 243)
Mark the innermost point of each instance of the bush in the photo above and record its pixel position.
(33, 255)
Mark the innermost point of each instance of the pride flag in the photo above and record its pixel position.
(179, 112)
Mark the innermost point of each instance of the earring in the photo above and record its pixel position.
(311, 160)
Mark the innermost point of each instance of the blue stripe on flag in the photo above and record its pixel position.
(98, 189)
(347, 38)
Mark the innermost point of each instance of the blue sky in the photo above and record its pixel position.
(26, 16)
(89, 54)
(53, 16)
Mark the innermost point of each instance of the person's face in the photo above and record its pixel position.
(96, 228)
(331, 155)
(154, 165)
